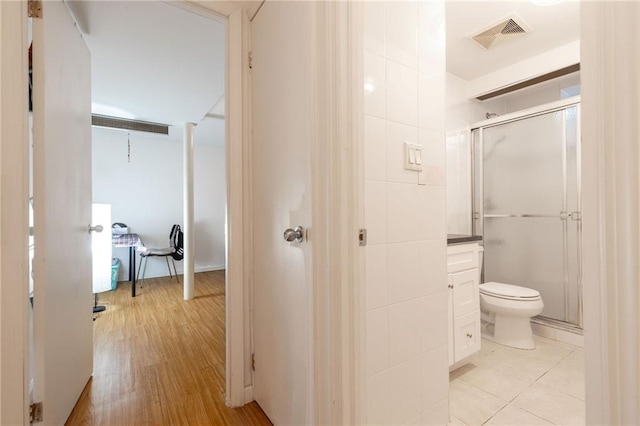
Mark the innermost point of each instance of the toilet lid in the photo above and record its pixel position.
(508, 290)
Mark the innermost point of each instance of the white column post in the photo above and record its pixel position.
(188, 211)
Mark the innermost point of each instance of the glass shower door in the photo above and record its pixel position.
(525, 172)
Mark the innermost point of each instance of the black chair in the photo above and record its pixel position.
(175, 251)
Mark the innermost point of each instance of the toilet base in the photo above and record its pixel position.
(510, 331)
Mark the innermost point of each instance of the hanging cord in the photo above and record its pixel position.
(128, 147)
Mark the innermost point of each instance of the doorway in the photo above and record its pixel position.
(233, 216)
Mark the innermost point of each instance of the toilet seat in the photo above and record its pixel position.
(509, 291)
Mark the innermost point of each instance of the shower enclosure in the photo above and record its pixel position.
(526, 205)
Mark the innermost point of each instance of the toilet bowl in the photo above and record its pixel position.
(506, 313)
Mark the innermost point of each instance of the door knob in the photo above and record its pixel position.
(97, 228)
(297, 234)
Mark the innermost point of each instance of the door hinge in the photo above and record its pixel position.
(253, 362)
(250, 60)
(35, 8)
(362, 237)
(35, 412)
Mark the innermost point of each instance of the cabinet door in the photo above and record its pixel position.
(467, 335)
(450, 318)
(466, 292)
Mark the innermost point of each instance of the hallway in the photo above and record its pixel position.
(159, 360)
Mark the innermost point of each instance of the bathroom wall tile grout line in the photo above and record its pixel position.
(371, 52)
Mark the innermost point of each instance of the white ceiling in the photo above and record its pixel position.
(155, 62)
(553, 23)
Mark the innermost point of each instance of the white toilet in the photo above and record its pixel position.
(506, 313)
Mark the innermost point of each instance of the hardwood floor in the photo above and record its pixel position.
(159, 360)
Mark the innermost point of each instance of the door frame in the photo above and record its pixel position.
(238, 381)
(14, 227)
(610, 131)
(14, 214)
(337, 178)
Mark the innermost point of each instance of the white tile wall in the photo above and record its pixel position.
(434, 335)
(402, 85)
(397, 134)
(431, 98)
(407, 281)
(435, 157)
(431, 38)
(375, 206)
(435, 376)
(374, 84)
(377, 341)
(461, 113)
(405, 385)
(437, 415)
(376, 276)
(405, 266)
(402, 32)
(374, 17)
(379, 399)
(375, 157)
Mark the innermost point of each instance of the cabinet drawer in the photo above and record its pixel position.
(467, 335)
(462, 257)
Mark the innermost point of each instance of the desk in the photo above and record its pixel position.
(132, 241)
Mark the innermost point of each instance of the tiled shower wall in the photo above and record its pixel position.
(405, 214)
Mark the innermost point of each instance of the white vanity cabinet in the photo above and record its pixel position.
(464, 301)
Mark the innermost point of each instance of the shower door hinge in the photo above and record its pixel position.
(250, 60)
(35, 412)
(575, 215)
(34, 8)
(476, 215)
(362, 237)
(253, 362)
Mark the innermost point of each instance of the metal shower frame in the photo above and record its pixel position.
(477, 215)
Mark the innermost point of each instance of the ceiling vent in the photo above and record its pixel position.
(126, 124)
(507, 29)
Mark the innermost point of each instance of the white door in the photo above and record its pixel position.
(101, 248)
(63, 326)
(282, 111)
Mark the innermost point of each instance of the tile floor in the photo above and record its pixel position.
(505, 386)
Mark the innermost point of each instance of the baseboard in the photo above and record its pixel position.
(197, 269)
(248, 394)
(209, 268)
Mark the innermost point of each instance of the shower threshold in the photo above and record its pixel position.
(557, 324)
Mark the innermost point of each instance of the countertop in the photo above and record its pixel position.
(459, 239)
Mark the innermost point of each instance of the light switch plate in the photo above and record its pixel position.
(413, 159)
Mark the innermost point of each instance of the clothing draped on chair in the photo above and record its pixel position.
(175, 251)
